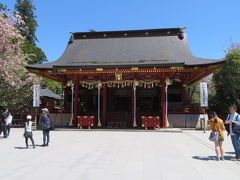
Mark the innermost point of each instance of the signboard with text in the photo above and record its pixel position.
(203, 94)
(36, 95)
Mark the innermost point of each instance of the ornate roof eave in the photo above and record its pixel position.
(58, 72)
(56, 67)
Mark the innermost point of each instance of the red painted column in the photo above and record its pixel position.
(65, 96)
(75, 102)
(104, 106)
(132, 106)
(163, 102)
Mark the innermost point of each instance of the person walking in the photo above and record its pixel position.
(46, 125)
(232, 120)
(217, 125)
(9, 122)
(28, 131)
(3, 122)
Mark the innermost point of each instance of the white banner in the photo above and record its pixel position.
(203, 94)
(36, 95)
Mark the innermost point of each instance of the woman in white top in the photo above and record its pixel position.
(9, 122)
(28, 131)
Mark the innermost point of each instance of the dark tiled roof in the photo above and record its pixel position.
(157, 47)
(48, 93)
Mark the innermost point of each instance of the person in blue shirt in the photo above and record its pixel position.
(46, 124)
(232, 119)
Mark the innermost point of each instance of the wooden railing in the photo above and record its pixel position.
(20, 119)
(185, 110)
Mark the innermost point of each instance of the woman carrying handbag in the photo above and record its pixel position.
(217, 135)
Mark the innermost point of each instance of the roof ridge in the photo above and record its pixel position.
(129, 33)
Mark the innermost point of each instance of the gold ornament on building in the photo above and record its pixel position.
(118, 76)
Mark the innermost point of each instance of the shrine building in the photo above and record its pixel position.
(128, 79)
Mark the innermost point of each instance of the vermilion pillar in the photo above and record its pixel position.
(163, 99)
(66, 91)
(133, 105)
(104, 108)
(75, 107)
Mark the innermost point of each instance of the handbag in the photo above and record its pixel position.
(27, 134)
(52, 126)
(214, 135)
(236, 129)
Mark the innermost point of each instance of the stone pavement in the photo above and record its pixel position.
(116, 155)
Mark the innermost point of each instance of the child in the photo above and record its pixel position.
(217, 125)
(28, 131)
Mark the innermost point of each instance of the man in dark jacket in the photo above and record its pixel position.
(46, 124)
(3, 122)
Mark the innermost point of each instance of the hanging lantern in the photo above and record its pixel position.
(99, 84)
(137, 83)
(69, 83)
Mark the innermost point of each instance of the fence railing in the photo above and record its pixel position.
(185, 110)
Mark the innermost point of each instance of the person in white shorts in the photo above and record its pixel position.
(28, 131)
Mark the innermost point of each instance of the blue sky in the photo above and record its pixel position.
(210, 23)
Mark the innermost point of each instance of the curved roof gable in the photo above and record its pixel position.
(156, 47)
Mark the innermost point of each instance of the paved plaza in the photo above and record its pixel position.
(116, 155)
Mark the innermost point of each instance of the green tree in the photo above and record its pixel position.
(227, 82)
(193, 94)
(3, 7)
(36, 55)
(54, 86)
(92, 30)
(26, 9)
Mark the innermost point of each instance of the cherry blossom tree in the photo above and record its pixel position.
(15, 80)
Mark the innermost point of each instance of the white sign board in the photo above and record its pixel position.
(36, 95)
(204, 94)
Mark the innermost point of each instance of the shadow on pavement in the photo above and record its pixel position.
(211, 158)
(20, 147)
(30, 147)
(230, 153)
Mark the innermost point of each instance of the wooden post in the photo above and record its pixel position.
(99, 124)
(163, 99)
(104, 108)
(134, 104)
(76, 90)
(66, 94)
(184, 95)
